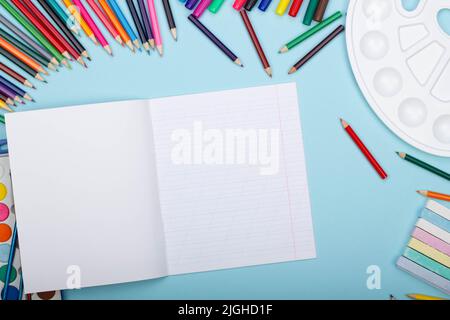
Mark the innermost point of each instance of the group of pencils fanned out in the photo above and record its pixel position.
(43, 35)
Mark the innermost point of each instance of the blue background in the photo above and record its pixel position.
(359, 220)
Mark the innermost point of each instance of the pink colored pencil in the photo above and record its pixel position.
(155, 26)
(202, 6)
(238, 4)
(97, 33)
(104, 19)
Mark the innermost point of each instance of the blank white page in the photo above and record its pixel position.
(219, 216)
(86, 195)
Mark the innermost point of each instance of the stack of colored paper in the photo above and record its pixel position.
(427, 256)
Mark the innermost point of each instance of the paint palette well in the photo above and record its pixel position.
(401, 61)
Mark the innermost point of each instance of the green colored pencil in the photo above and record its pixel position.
(291, 44)
(25, 49)
(310, 11)
(2, 118)
(32, 29)
(215, 5)
(424, 165)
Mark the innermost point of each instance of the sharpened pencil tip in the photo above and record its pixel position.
(401, 155)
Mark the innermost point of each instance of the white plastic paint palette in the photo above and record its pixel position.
(401, 61)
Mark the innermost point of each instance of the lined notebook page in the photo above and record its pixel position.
(217, 215)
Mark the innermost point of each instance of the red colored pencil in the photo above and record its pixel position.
(30, 16)
(364, 150)
(51, 29)
(295, 7)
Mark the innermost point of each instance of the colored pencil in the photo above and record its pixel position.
(112, 17)
(295, 7)
(26, 10)
(21, 56)
(97, 33)
(310, 11)
(5, 107)
(364, 149)
(282, 6)
(424, 165)
(238, 4)
(20, 286)
(6, 102)
(201, 8)
(12, 252)
(215, 40)
(32, 29)
(434, 195)
(256, 43)
(139, 26)
(215, 5)
(119, 14)
(16, 89)
(310, 32)
(58, 37)
(250, 4)
(77, 16)
(264, 4)
(21, 65)
(68, 21)
(416, 296)
(155, 26)
(15, 75)
(104, 19)
(8, 92)
(146, 20)
(27, 50)
(80, 49)
(190, 4)
(171, 20)
(320, 11)
(317, 49)
(30, 42)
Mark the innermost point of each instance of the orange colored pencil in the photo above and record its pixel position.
(76, 14)
(21, 56)
(434, 195)
(116, 23)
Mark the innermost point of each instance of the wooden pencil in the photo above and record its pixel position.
(147, 25)
(21, 65)
(19, 91)
(6, 91)
(15, 75)
(256, 43)
(104, 19)
(155, 26)
(138, 24)
(21, 56)
(170, 19)
(424, 165)
(77, 16)
(28, 40)
(7, 100)
(434, 195)
(316, 49)
(123, 20)
(72, 41)
(27, 50)
(215, 40)
(62, 15)
(112, 17)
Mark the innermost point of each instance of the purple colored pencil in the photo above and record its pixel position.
(6, 91)
(215, 40)
(203, 5)
(190, 4)
(146, 19)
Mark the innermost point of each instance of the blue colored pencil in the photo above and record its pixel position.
(12, 252)
(15, 88)
(115, 7)
(190, 4)
(264, 4)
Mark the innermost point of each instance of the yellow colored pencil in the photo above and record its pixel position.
(74, 12)
(282, 6)
(4, 106)
(417, 296)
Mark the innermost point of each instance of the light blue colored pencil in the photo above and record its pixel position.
(115, 7)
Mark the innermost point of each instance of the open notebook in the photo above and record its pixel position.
(135, 190)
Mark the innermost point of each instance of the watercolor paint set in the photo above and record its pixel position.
(7, 223)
